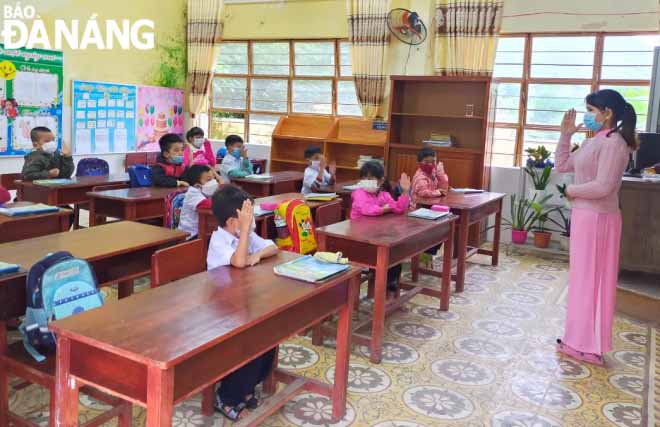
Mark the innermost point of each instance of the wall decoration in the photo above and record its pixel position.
(160, 111)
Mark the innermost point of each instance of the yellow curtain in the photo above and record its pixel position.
(204, 31)
(369, 36)
(466, 36)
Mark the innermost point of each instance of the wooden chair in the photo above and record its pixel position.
(174, 263)
(7, 180)
(328, 214)
(117, 186)
(134, 159)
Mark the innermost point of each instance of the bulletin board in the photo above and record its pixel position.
(31, 82)
(160, 111)
(103, 117)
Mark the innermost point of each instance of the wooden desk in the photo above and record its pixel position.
(208, 224)
(29, 226)
(132, 204)
(280, 183)
(345, 194)
(162, 346)
(381, 243)
(118, 252)
(67, 194)
(640, 236)
(471, 209)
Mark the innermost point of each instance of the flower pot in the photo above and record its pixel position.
(519, 237)
(542, 239)
(564, 242)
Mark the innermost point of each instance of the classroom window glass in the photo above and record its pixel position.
(257, 82)
(538, 77)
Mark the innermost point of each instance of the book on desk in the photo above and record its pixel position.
(310, 269)
(26, 208)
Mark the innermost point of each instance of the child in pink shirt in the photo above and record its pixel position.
(372, 199)
(430, 180)
(4, 195)
(198, 150)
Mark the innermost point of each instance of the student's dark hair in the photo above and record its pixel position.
(167, 140)
(226, 201)
(193, 132)
(376, 170)
(232, 139)
(424, 153)
(310, 151)
(624, 116)
(35, 132)
(194, 173)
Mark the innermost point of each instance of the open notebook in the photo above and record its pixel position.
(320, 197)
(55, 181)
(427, 214)
(262, 177)
(6, 268)
(26, 208)
(309, 269)
(466, 190)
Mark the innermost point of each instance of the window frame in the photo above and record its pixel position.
(290, 78)
(526, 80)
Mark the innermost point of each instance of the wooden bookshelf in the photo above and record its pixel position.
(421, 105)
(342, 140)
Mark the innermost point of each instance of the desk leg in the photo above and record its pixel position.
(463, 229)
(64, 223)
(125, 289)
(4, 379)
(130, 212)
(317, 329)
(160, 397)
(448, 251)
(66, 390)
(92, 212)
(378, 322)
(495, 258)
(344, 333)
(414, 268)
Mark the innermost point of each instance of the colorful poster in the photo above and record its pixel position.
(103, 116)
(160, 111)
(31, 82)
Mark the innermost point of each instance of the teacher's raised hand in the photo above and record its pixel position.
(568, 126)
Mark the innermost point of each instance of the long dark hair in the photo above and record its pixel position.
(624, 116)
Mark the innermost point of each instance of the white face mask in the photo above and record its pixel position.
(197, 142)
(369, 185)
(316, 164)
(209, 188)
(49, 147)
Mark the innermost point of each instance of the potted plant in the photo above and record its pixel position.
(522, 218)
(541, 234)
(538, 167)
(564, 224)
(562, 195)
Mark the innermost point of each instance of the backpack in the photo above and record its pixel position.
(140, 176)
(297, 217)
(57, 287)
(92, 166)
(173, 205)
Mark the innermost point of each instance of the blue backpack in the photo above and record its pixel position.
(57, 287)
(140, 176)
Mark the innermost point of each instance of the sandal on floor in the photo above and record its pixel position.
(591, 358)
(252, 403)
(232, 413)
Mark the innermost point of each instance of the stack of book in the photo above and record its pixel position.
(439, 140)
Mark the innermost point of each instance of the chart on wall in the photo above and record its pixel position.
(160, 111)
(31, 82)
(104, 117)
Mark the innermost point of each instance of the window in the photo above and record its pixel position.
(539, 77)
(256, 82)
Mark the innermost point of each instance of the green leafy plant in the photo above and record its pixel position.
(564, 223)
(523, 216)
(541, 215)
(539, 154)
(540, 178)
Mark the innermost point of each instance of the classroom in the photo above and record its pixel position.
(330, 213)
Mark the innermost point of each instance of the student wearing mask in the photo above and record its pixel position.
(45, 161)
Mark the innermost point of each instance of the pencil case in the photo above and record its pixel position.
(440, 208)
(268, 206)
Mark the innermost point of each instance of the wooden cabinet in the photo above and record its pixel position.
(640, 235)
(422, 105)
(342, 140)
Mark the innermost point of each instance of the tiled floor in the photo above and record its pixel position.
(488, 361)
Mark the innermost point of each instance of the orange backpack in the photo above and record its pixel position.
(296, 216)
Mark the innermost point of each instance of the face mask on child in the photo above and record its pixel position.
(427, 168)
(209, 188)
(197, 142)
(176, 160)
(315, 164)
(236, 152)
(369, 185)
(49, 147)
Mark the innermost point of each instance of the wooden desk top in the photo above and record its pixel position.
(171, 323)
(15, 220)
(338, 187)
(387, 230)
(131, 194)
(89, 243)
(461, 201)
(631, 182)
(280, 198)
(282, 176)
(83, 181)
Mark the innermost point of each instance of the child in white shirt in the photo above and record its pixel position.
(202, 186)
(316, 174)
(236, 244)
(236, 163)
